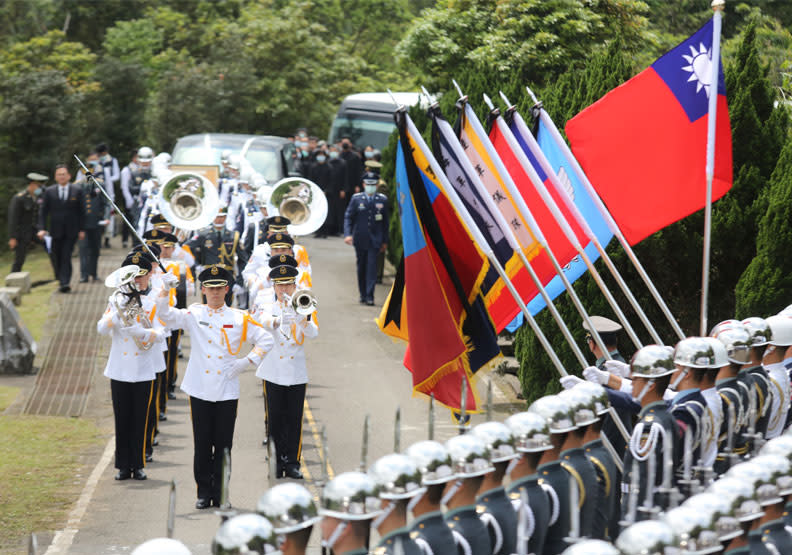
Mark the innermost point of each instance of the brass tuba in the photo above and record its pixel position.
(189, 201)
(126, 300)
(300, 200)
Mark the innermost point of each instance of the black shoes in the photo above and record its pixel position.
(162, 417)
(149, 458)
(135, 474)
(64, 289)
(171, 395)
(370, 302)
(203, 503)
(123, 475)
(293, 472)
(83, 280)
(138, 474)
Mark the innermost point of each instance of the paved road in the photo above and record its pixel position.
(354, 370)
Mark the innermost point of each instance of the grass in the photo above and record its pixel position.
(35, 308)
(40, 472)
(7, 396)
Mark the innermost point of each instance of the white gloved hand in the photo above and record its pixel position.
(236, 367)
(136, 331)
(170, 281)
(595, 375)
(237, 289)
(568, 382)
(626, 386)
(621, 369)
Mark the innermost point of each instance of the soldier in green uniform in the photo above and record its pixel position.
(349, 503)
(532, 436)
(23, 218)
(291, 510)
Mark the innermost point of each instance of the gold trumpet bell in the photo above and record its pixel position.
(122, 276)
(189, 201)
(300, 200)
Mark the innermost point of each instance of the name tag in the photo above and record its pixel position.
(378, 217)
(203, 323)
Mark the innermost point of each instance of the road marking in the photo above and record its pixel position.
(318, 440)
(64, 538)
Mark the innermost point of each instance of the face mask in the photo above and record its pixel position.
(301, 144)
(37, 191)
(369, 154)
(333, 154)
(370, 189)
(304, 153)
(321, 158)
(106, 158)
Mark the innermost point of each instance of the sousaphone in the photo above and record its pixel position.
(189, 201)
(300, 200)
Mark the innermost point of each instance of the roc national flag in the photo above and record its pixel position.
(643, 145)
(439, 308)
(465, 178)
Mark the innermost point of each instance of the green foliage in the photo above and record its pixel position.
(765, 284)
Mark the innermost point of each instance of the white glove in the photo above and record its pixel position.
(595, 375)
(621, 369)
(137, 331)
(626, 386)
(237, 289)
(568, 382)
(237, 367)
(170, 281)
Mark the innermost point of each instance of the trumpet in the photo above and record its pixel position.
(126, 300)
(304, 302)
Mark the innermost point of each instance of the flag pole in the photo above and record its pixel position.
(712, 112)
(478, 238)
(614, 227)
(570, 204)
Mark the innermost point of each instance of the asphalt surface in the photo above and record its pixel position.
(354, 371)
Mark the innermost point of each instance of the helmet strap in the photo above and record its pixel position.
(414, 501)
(331, 541)
(383, 515)
(511, 465)
(682, 374)
(451, 492)
(644, 391)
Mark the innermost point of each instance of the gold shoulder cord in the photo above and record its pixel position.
(604, 471)
(581, 489)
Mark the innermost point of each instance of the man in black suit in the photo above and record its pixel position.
(62, 217)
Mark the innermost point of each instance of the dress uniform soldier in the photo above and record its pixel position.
(263, 251)
(256, 223)
(556, 472)
(211, 379)
(429, 529)
(132, 178)
(470, 459)
(398, 480)
(95, 211)
(734, 395)
(349, 503)
(217, 245)
(654, 435)
(532, 436)
(777, 374)
(23, 218)
(760, 334)
(245, 533)
(261, 292)
(132, 364)
(291, 510)
(498, 513)
(591, 496)
(366, 228)
(284, 371)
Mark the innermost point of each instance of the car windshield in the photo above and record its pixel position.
(264, 159)
(362, 132)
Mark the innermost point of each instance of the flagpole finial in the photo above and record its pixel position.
(533, 96)
(488, 101)
(718, 5)
(458, 88)
(432, 100)
(509, 105)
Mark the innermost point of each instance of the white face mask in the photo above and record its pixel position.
(370, 189)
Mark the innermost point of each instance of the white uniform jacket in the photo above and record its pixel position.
(128, 363)
(709, 450)
(260, 256)
(216, 337)
(285, 363)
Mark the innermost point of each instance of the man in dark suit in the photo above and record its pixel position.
(62, 217)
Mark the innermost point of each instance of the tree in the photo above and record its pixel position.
(765, 284)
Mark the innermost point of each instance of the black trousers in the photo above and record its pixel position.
(172, 359)
(130, 407)
(89, 252)
(213, 432)
(284, 418)
(154, 409)
(366, 272)
(60, 254)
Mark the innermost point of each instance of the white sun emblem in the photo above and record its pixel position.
(700, 68)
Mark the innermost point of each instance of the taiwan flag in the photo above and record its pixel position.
(643, 145)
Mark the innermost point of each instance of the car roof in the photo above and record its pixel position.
(232, 139)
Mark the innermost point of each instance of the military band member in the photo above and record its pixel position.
(242, 207)
(212, 375)
(263, 251)
(499, 515)
(216, 245)
(398, 481)
(291, 510)
(429, 529)
(261, 293)
(470, 459)
(532, 436)
(348, 505)
(180, 252)
(132, 177)
(284, 371)
(23, 218)
(131, 367)
(256, 224)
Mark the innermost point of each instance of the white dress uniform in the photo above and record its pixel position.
(285, 377)
(216, 338)
(237, 204)
(260, 256)
(131, 370)
(780, 398)
(709, 447)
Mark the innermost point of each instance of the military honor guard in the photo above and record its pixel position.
(263, 251)
(23, 218)
(366, 224)
(349, 503)
(284, 370)
(292, 511)
(130, 320)
(211, 379)
(773, 362)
